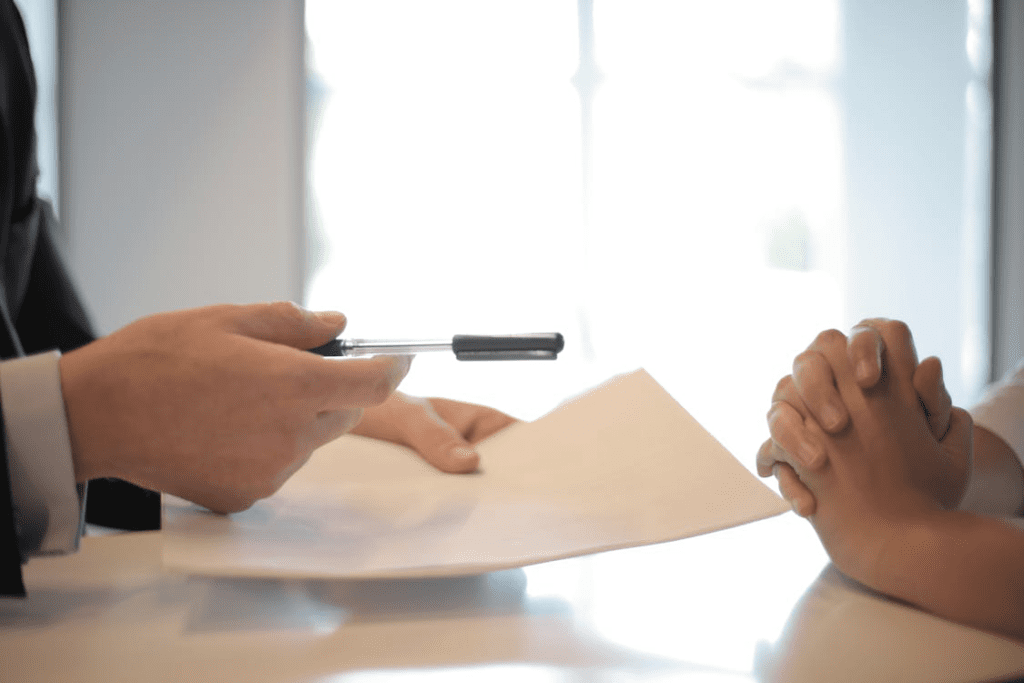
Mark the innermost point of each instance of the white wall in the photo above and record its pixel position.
(182, 142)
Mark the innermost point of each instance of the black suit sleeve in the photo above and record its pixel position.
(51, 316)
(39, 309)
(15, 88)
(10, 558)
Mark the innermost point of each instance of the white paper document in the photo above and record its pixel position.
(622, 465)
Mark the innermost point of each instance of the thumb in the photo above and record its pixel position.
(958, 446)
(283, 322)
(931, 391)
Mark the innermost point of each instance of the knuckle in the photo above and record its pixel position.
(829, 338)
(351, 418)
(871, 323)
(812, 374)
(775, 413)
(864, 340)
(383, 384)
(419, 405)
(288, 310)
(781, 423)
(964, 417)
(305, 381)
(806, 360)
(899, 329)
(782, 387)
(345, 421)
(379, 388)
(206, 313)
(765, 459)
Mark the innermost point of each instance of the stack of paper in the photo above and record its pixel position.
(619, 466)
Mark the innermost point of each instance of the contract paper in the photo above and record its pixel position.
(619, 466)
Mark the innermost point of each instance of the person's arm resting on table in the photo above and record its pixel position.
(885, 490)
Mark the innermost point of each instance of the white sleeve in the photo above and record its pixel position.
(1001, 410)
(49, 509)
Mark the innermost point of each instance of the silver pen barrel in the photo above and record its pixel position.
(392, 347)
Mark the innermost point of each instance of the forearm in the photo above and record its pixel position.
(960, 566)
(996, 486)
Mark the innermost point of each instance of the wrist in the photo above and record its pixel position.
(86, 459)
(882, 551)
(915, 563)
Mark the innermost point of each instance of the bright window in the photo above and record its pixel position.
(696, 188)
(694, 220)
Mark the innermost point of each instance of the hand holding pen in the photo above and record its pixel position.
(442, 431)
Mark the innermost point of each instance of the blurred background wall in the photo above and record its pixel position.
(181, 137)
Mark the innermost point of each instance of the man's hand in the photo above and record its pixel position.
(441, 431)
(811, 391)
(218, 405)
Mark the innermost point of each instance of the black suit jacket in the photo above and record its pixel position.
(39, 309)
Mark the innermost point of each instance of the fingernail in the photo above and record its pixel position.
(863, 371)
(402, 364)
(333, 318)
(463, 453)
(463, 459)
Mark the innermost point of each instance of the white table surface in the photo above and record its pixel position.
(754, 603)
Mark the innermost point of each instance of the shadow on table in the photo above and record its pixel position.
(51, 606)
(409, 625)
(241, 604)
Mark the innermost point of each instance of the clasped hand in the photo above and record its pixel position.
(808, 407)
(863, 438)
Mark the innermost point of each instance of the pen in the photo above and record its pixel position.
(544, 346)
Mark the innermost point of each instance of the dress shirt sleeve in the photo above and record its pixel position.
(1001, 410)
(48, 506)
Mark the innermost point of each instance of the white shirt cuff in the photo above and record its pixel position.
(1001, 411)
(49, 509)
